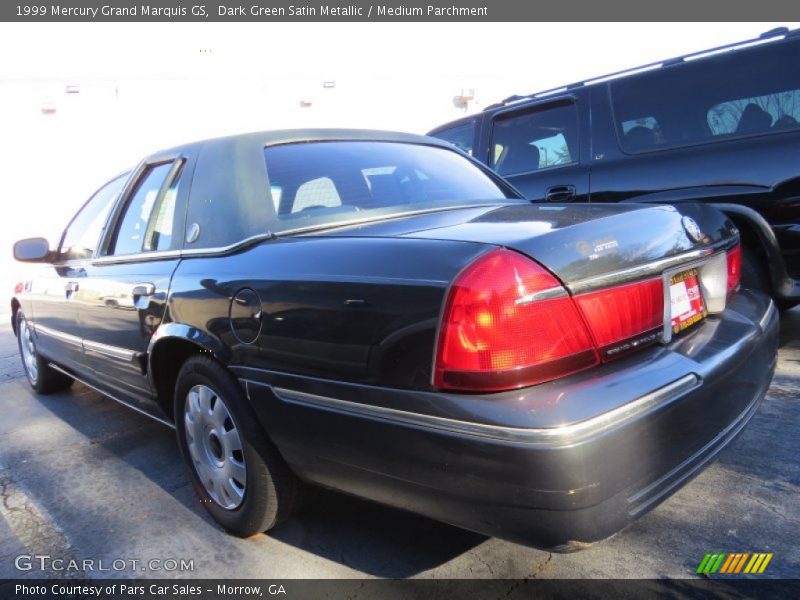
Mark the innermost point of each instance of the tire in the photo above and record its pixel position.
(41, 376)
(237, 472)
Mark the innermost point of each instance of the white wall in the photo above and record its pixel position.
(148, 86)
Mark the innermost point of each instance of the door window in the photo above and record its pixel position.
(147, 220)
(461, 136)
(533, 140)
(83, 233)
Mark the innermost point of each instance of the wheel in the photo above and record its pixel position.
(43, 378)
(236, 470)
(754, 274)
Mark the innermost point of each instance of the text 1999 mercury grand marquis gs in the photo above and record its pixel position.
(380, 314)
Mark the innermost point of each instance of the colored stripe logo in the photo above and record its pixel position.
(734, 563)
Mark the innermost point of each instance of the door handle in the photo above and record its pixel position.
(143, 289)
(71, 287)
(560, 193)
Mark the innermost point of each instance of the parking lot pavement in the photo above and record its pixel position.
(82, 477)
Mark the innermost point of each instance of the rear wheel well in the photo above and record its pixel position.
(166, 361)
(751, 240)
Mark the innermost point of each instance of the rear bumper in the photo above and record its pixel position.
(554, 465)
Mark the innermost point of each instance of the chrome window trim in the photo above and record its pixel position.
(138, 257)
(565, 434)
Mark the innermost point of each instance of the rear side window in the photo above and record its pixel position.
(749, 115)
(225, 207)
(538, 139)
(461, 136)
(323, 182)
(747, 92)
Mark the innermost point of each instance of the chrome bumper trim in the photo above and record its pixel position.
(547, 436)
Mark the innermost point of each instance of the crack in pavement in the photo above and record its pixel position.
(33, 529)
(770, 508)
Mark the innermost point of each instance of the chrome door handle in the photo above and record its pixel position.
(144, 289)
(71, 287)
(560, 193)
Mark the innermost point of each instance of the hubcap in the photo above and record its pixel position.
(215, 447)
(28, 353)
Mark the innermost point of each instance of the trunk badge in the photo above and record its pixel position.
(692, 228)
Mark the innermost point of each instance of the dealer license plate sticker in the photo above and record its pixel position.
(686, 298)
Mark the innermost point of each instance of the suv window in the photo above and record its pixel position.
(537, 139)
(738, 93)
(83, 233)
(142, 228)
(746, 115)
(461, 136)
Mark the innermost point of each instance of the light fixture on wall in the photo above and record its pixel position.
(464, 98)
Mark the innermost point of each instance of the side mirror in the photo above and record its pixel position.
(32, 250)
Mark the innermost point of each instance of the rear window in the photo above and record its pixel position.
(747, 92)
(314, 184)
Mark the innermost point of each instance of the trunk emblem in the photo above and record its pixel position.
(692, 228)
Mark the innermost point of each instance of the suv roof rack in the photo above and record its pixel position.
(768, 36)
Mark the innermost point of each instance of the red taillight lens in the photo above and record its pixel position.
(19, 287)
(625, 317)
(734, 267)
(495, 334)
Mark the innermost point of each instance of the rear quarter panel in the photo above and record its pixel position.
(353, 309)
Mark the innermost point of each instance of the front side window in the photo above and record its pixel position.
(461, 136)
(533, 140)
(317, 183)
(83, 233)
(142, 228)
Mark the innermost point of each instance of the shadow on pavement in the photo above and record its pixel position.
(362, 535)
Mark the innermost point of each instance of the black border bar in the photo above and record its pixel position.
(383, 589)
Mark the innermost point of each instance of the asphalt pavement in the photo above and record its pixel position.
(85, 479)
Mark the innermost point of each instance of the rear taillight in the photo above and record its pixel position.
(625, 317)
(734, 256)
(508, 323)
(19, 287)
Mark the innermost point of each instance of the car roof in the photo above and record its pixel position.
(288, 136)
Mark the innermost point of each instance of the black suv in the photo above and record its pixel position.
(717, 126)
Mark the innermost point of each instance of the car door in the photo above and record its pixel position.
(55, 288)
(123, 296)
(537, 148)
